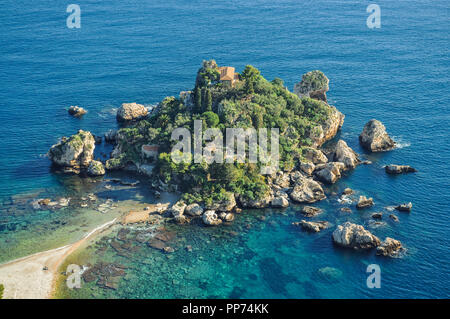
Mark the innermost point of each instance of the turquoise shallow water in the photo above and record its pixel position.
(144, 50)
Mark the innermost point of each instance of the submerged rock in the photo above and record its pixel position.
(73, 153)
(377, 215)
(311, 211)
(348, 191)
(210, 218)
(364, 202)
(404, 207)
(76, 111)
(312, 226)
(399, 169)
(96, 168)
(131, 112)
(354, 236)
(307, 190)
(389, 247)
(374, 137)
(393, 217)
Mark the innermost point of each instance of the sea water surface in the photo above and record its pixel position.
(142, 51)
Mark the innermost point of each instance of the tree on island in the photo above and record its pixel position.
(198, 99)
(208, 101)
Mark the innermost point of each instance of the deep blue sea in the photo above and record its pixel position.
(142, 51)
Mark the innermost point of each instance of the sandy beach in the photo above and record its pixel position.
(25, 278)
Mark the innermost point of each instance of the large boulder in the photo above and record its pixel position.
(307, 167)
(404, 207)
(364, 202)
(374, 137)
(96, 168)
(330, 172)
(344, 154)
(177, 211)
(76, 111)
(307, 190)
(389, 247)
(354, 236)
(73, 153)
(131, 112)
(314, 155)
(224, 205)
(312, 226)
(399, 169)
(210, 218)
(280, 202)
(193, 210)
(314, 84)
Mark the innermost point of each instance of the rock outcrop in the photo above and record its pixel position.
(307, 167)
(177, 211)
(96, 168)
(312, 226)
(311, 211)
(307, 190)
(404, 207)
(280, 202)
(374, 137)
(76, 111)
(131, 112)
(344, 154)
(314, 84)
(354, 236)
(74, 153)
(210, 218)
(314, 155)
(389, 247)
(193, 210)
(364, 202)
(225, 205)
(110, 136)
(262, 202)
(330, 172)
(399, 169)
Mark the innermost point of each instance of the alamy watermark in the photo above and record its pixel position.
(239, 142)
(74, 19)
(374, 19)
(374, 279)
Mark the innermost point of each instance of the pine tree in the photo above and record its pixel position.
(208, 101)
(249, 87)
(198, 99)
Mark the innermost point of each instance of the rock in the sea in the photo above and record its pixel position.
(307, 190)
(347, 191)
(210, 218)
(311, 211)
(313, 226)
(73, 153)
(177, 211)
(224, 205)
(193, 210)
(131, 112)
(76, 111)
(404, 207)
(262, 202)
(330, 172)
(96, 168)
(280, 201)
(377, 215)
(226, 216)
(393, 217)
(374, 137)
(389, 247)
(314, 155)
(344, 154)
(354, 236)
(314, 84)
(399, 169)
(364, 202)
